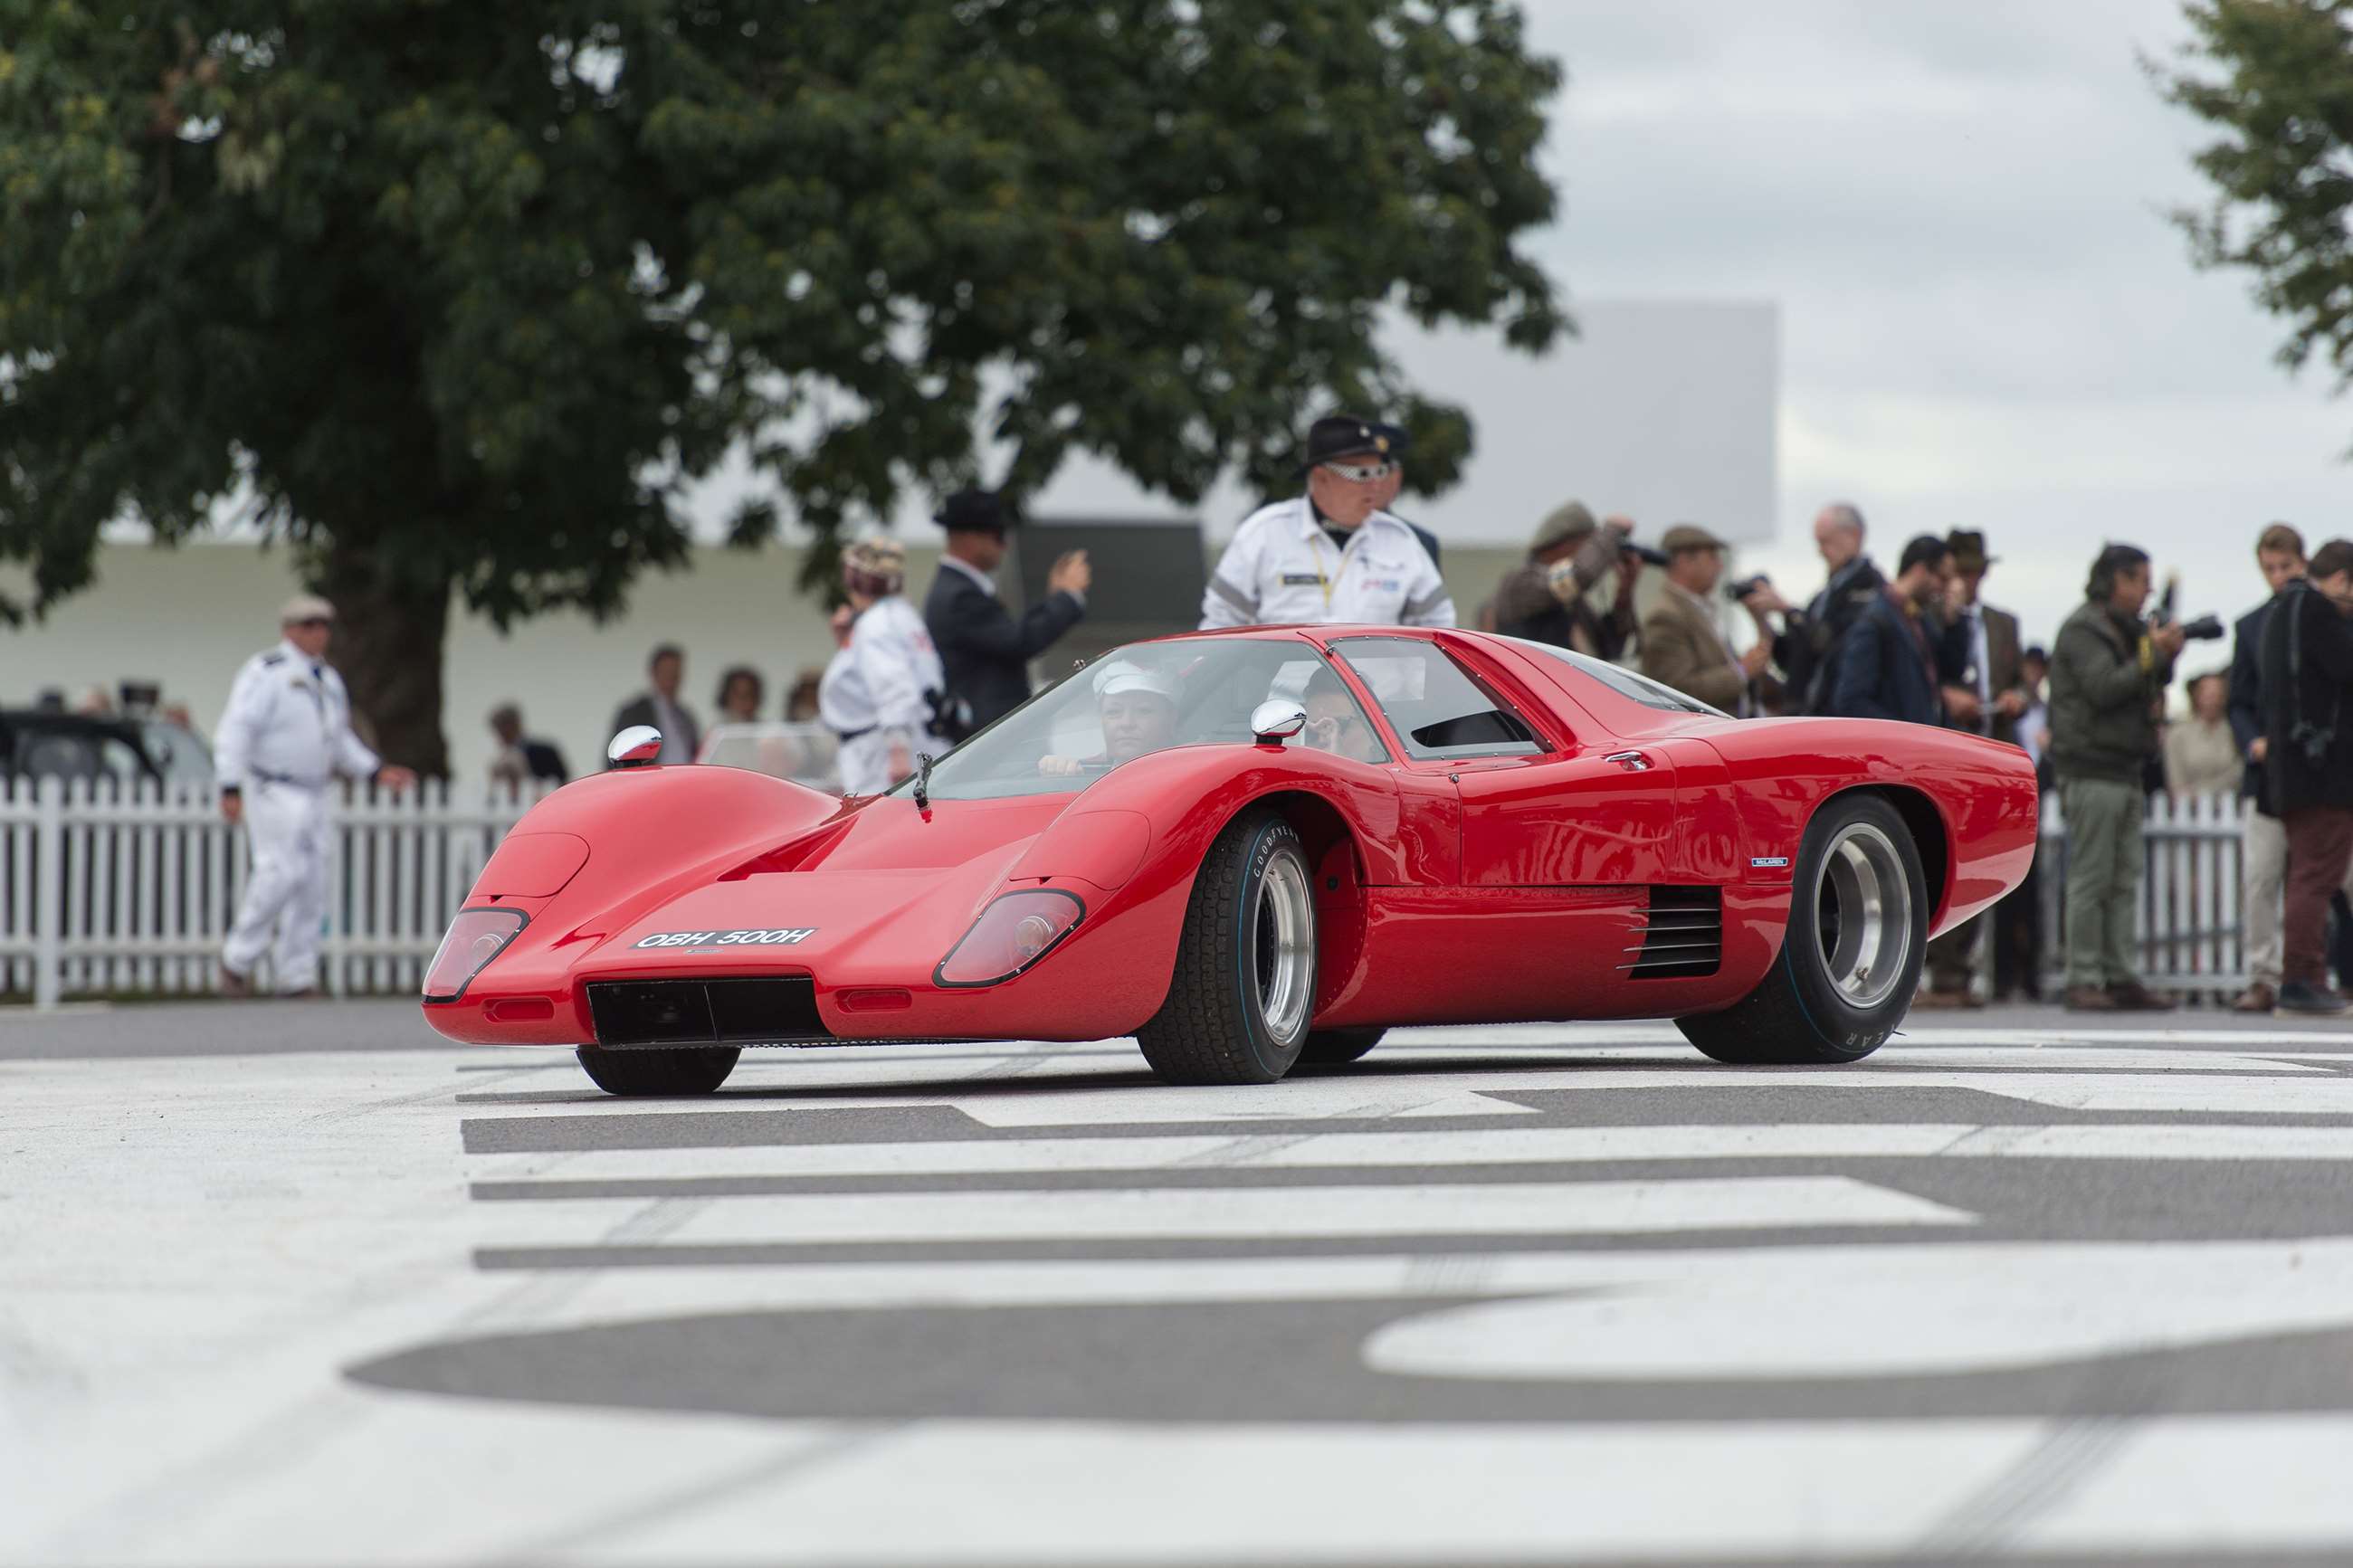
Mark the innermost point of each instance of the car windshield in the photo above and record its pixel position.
(1148, 697)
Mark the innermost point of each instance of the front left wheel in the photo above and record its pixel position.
(1245, 983)
(679, 1070)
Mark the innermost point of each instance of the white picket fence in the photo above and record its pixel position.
(2190, 928)
(113, 888)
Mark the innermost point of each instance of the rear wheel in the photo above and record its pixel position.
(680, 1070)
(1332, 1048)
(1851, 959)
(1245, 983)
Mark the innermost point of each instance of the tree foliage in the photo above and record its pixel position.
(2274, 78)
(466, 294)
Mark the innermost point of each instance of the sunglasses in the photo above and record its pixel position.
(1362, 473)
(314, 621)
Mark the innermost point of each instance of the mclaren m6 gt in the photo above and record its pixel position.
(1248, 850)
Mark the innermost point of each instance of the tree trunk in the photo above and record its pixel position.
(389, 631)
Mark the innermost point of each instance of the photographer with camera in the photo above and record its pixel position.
(2108, 675)
(1807, 647)
(1887, 663)
(2263, 842)
(1544, 600)
(2306, 674)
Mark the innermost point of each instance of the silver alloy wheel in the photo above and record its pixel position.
(1286, 947)
(1863, 915)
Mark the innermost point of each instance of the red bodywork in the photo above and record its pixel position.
(1470, 890)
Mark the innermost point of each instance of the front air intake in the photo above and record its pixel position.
(770, 1010)
(1682, 935)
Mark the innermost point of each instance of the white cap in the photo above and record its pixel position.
(305, 608)
(1122, 675)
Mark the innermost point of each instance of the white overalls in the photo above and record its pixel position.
(878, 692)
(286, 732)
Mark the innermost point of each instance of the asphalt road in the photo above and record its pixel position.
(295, 1282)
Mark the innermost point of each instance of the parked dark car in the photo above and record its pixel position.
(38, 744)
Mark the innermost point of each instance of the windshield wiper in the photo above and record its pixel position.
(922, 780)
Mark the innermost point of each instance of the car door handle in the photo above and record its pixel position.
(1632, 762)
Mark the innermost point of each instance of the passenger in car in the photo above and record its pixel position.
(1335, 722)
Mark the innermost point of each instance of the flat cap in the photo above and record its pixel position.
(1688, 536)
(305, 608)
(1570, 521)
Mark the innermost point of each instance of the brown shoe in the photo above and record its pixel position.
(2132, 997)
(2260, 997)
(2089, 999)
(232, 984)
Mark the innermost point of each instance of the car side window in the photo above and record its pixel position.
(1437, 711)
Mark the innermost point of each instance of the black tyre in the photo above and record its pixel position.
(1332, 1047)
(1245, 983)
(1851, 959)
(687, 1070)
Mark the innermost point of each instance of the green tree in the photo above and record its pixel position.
(2274, 78)
(460, 297)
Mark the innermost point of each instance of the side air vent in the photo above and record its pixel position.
(771, 1010)
(1682, 935)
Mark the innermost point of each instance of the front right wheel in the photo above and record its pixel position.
(1850, 958)
(1245, 983)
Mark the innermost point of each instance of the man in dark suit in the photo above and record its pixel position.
(2307, 675)
(1399, 441)
(2263, 842)
(1887, 666)
(985, 651)
(1808, 647)
(660, 707)
(1984, 693)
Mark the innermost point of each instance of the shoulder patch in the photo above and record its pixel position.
(274, 657)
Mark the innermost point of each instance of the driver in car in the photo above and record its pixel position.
(1335, 722)
(1137, 708)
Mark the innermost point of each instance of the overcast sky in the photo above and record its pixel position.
(1986, 320)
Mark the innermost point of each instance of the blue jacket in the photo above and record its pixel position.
(1883, 669)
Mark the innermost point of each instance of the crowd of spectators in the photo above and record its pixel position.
(1922, 647)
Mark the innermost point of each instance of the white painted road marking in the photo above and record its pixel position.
(1521, 1208)
(1406, 1147)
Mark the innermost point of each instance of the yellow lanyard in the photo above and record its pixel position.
(1322, 581)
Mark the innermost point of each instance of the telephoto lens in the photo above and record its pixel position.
(2205, 628)
(1735, 591)
(1645, 554)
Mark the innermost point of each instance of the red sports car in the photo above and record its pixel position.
(1248, 850)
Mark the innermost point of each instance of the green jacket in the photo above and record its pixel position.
(2105, 681)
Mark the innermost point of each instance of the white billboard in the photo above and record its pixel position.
(1665, 411)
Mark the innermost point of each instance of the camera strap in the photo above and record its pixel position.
(2315, 741)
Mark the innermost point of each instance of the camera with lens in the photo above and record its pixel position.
(1644, 554)
(2205, 628)
(1735, 591)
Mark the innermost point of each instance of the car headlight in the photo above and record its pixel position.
(1011, 934)
(475, 937)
